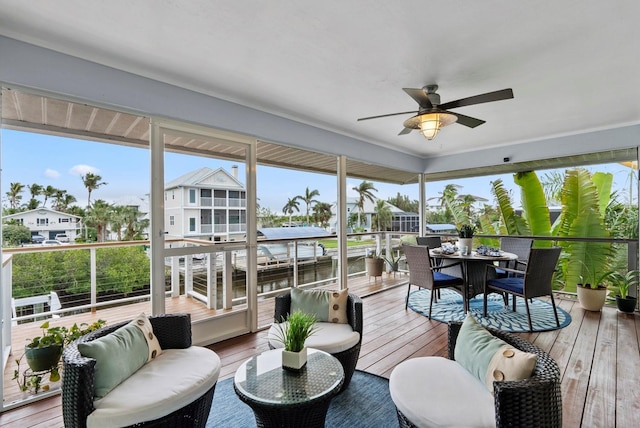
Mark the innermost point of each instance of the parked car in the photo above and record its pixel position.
(62, 237)
(51, 242)
(37, 239)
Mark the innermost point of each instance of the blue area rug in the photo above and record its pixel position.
(449, 308)
(365, 403)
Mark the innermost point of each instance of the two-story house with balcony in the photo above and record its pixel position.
(207, 204)
(48, 222)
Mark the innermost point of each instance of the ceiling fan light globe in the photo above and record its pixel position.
(431, 123)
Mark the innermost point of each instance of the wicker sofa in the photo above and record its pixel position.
(167, 382)
(348, 357)
(533, 402)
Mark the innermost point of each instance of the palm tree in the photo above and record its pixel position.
(364, 190)
(48, 192)
(35, 190)
(14, 194)
(91, 181)
(63, 200)
(292, 204)
(99, 216)
(307, 198)
(134, 225)
(383, 214)
(322, 213)
(118, 220)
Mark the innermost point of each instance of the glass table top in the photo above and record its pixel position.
(263, 379)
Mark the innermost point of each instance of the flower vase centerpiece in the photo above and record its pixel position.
(465, 243)
(292, 334)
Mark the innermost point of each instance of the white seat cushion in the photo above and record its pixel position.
(329, 337)
(171, 381)
(435, 391)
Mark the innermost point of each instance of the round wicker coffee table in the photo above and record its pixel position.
(281, 398)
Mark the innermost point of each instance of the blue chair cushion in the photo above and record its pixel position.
(512, 284)
(442, 279)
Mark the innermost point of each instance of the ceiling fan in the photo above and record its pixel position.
(432, 115)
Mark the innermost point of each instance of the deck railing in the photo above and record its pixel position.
(204, 270)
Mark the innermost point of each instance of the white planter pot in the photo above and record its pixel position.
(294, 361)
(592, 299)
(465, 242)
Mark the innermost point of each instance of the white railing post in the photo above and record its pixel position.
(227, 281)
(94, 283)
(388, 250)
(295, 262)
(212, 279)
(175, 276)
(188, 274)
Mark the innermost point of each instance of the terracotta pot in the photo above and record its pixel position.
(592, 299)
(626, 305)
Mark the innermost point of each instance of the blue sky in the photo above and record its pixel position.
(61, 162)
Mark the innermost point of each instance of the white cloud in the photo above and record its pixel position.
(51, 173)
(82, 170)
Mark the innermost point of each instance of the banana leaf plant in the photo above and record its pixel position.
(583, 261)
(534, 206)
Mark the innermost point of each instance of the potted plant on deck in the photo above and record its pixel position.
(622, 283)
(292, 334)
(465, 233)
(393, 260)
(592, 292)
(43, 354)
(374, 263)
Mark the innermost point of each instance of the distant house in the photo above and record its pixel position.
(206, 204)
(401, 221)
(48, 222)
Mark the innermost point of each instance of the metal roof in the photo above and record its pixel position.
(291, 232)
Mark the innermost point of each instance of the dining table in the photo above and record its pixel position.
(473, 268)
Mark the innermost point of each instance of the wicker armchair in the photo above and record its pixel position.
(533, 402)
(173, 332)
(349, 357)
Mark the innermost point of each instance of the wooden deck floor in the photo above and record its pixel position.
(598, 354)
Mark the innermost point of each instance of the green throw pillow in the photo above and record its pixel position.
(118, 355)
(489, 358)
(326, 305)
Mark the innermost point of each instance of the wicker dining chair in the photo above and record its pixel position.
(532, 402)
(424, 275)
(535, 281)
(518, 246)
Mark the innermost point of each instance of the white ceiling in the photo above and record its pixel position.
(574, 66)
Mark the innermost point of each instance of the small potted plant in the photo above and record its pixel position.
(43, 353)
(292, 334)
(393, 260)
(374, 263)
(465, 233)
(622, 283)
(592, 291)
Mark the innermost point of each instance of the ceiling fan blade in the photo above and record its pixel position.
(386, 115)
(469, 121)
(405, 131)
(420, 96)
(503, 94)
